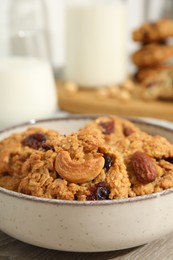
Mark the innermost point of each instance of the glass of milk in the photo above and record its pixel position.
(96, 42)
(27, 86)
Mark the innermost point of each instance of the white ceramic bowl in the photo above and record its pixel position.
(89, 226)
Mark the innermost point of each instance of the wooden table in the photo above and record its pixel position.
(88, 101)
(11, 249)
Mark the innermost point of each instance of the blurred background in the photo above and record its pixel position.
(53, 21)
(87, 44)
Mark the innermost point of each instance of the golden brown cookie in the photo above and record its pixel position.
(78, 166)
(109, 129)
(154, 31)
(158, 86)
(145, 73)
(109, 158)
(152, 55)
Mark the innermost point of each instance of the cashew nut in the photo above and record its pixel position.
(77, 172)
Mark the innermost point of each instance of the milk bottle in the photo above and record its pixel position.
(96, 42)
(27, 90)
(27, 86)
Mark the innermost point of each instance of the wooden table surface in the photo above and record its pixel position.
(88, 101)
(12, 249)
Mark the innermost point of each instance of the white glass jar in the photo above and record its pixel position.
(96, 42)
(27, 87)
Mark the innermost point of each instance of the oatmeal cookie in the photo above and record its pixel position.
(17, 148)
(163, 180)
(152, 55)
(109, 129)
(152, 169)
(144, 73)
(154, 31)
(109, 158)
(156, 146)
(158, 86)
(77, 166)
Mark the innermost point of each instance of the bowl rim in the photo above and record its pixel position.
(57, 202)
(26, 197)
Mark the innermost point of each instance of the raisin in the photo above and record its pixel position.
(127, 131)
(108, 162)
(47, 147)
(99, 192)
(108, 127)
(75, 197)
(102, 193)
(170, 160)
(34, 141)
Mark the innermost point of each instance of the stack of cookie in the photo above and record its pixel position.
(155, 55)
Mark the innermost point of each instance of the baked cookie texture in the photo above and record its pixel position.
(152, 55)
(154, 31)
(153, 59)
(158, 86)
(109, 158)
(143, 73)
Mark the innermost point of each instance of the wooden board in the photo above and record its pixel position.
(87, 101)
